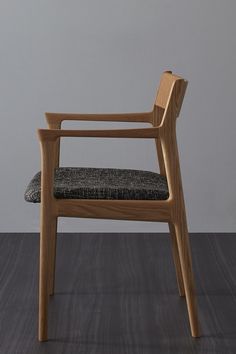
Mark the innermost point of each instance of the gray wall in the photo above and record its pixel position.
(107, 56)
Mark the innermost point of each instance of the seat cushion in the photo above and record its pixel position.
(101, 183)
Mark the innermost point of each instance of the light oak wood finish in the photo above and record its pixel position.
(58, 118)
(163, 119)
(52, 259)
(143, 210)
(54, 134)
(159, 111)
(176, 259)
(53, 233)
(47, 232)
(178, 215)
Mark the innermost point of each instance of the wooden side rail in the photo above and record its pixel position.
(53, 134)
(142, 210)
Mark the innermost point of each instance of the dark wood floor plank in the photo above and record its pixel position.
(117, 293)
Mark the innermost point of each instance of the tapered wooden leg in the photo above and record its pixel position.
(175, 252)
(44, 266)
(181, 231)
(47, 233)
(52, 255)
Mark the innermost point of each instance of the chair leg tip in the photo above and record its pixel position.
(42, 339)
(196, 334)
(42, 336)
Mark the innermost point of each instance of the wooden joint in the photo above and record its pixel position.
(47, 135)
(54, 121)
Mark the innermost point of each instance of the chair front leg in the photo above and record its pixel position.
(47, 232)
(45, 265)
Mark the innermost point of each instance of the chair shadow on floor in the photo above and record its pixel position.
(142, 323)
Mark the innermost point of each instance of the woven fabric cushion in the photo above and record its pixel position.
(101, 183)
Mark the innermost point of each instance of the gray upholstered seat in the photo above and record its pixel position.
(101, 183)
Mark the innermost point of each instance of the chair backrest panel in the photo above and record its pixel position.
(167, 82)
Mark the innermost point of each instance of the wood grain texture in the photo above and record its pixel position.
(157, 120)
(163, 118)
(52, 253)
(116, 293)
(176, 257)
(58, 118)
(143, 210)
(169, 152)
(55, 125)
(53, 134)
(165, 87)
(47, 234)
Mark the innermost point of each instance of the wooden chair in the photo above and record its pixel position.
(168, 207)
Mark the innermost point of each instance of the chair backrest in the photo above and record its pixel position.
(167, 83)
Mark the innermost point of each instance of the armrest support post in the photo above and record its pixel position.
(54, 124)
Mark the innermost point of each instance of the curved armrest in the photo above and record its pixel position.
(54, 134)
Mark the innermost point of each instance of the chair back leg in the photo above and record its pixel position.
(182, 237)
(176, 258)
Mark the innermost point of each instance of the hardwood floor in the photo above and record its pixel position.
(117, 293)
